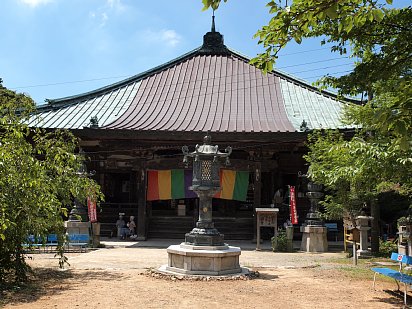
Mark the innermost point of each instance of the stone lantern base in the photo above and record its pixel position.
(77, 227)
(203, 260)
(314, 239)
(204, 237)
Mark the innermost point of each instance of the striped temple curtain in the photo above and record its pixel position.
(174, 184)
(169, 184)
(233, 185)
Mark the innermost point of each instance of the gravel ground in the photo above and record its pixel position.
(117, 277)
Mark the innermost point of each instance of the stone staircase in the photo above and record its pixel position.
(176, 227)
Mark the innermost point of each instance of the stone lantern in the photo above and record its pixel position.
(314, 233)
(78, 218)
(204, 251)
(362, 224)
(314, 195)
(205, 183)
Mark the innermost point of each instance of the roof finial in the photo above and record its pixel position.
(213, 22)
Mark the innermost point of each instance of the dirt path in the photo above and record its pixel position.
(115, 279)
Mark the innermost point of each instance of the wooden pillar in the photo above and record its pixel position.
(134, 191)
(256, 195)
(141, 203)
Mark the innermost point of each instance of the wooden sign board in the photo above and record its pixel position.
(266, 217)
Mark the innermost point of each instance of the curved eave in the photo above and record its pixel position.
(122, 83)
(300, 81)
(83, 96)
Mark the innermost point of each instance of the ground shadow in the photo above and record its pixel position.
(47, 281)
(139, 245)
(266, 276)
(394, 297)
(263, 274)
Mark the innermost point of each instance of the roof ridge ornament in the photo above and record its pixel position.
(213, 22)
(213, 42)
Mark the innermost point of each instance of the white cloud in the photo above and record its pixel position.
(170, 37)
(103, 13)
(104, 19)
(115, 4)
(165, 37)
(34, 3)
(101, 18)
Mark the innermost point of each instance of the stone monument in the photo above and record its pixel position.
(204, 251)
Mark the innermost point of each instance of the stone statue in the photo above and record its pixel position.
(120, 224)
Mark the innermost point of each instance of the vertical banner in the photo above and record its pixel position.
(91, 206)
(292, 205)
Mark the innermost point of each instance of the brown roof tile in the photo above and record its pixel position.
(218, 93)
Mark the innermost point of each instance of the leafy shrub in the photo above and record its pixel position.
(387, 247)
(280, 242)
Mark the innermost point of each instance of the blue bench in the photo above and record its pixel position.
(397, 275)
(52, 241)
(78, 241)
(333, 228)
(33, 242)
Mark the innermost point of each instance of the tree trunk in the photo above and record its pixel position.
(375, 213)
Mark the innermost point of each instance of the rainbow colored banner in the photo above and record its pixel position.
(174, 184)
(234, 185)
(169, 184)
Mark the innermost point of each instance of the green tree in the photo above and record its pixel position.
(377, 35)
(38, 179)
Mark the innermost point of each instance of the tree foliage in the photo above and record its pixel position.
(356, 171)
(377, 35)
(38, 180)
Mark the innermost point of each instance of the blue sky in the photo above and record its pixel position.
(57, 48)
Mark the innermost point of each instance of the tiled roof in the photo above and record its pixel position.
(208, 89)
(208, 93)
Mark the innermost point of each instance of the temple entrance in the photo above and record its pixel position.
(120, 193)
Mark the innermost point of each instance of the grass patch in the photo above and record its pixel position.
(361, 262)
(356, 272)
(361, 271)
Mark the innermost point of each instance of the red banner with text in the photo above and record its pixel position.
(292, 205)
(91, 206)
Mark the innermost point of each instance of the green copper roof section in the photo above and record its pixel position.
(102, 108)
(308, 109)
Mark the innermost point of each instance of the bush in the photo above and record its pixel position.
(280, 242)
(387, 247)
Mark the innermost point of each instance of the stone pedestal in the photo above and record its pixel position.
(314, 239)
(289, 238)
(96, 234)
(203, 260)
(363, 245)
(77, 227)
(204, 234)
